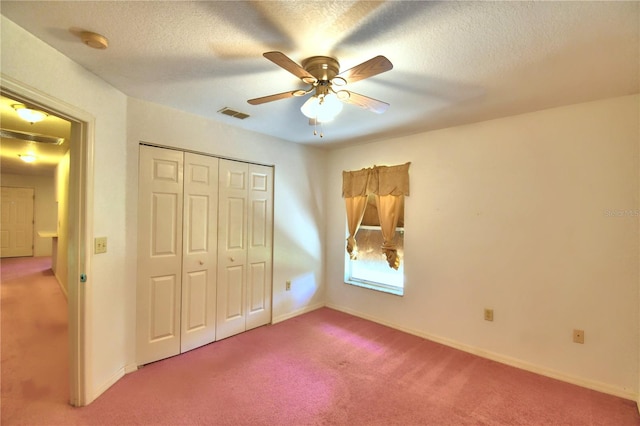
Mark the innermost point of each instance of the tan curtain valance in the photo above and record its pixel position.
(389, 184)
(379, 180)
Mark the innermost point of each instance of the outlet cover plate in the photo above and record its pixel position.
(578, 336)
(488, 314)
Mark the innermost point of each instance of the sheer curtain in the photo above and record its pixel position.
(389, 184)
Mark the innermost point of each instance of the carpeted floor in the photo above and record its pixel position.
(321, 368)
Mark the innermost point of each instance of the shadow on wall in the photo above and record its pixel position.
(298, 253)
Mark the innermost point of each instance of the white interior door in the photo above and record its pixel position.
(260, 235)
(16, 231)
(160, 193)
(232, 248)
(199, 254)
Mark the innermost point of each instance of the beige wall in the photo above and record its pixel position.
(534, 216)
(44, 207)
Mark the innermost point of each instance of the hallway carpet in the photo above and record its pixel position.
(321, 368)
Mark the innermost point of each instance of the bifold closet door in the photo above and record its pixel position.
(177, 252)
(260, 246)
(245, 228)
(199, 258)
(159, 289)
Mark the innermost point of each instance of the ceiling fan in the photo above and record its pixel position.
(322, 74)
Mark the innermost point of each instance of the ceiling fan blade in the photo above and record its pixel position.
(366, 102)
(271, 98)
(373, 66)
(283, 61)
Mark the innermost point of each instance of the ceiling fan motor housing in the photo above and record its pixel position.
(323, 68)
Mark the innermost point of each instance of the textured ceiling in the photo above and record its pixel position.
(454, 62)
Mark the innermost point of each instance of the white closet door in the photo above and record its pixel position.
(199, 261)
(160, 191)
(232, 248)
(16, 228)
(260, 235)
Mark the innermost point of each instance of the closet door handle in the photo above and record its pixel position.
(201, 262)
(231, 259)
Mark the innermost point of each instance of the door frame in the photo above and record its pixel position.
(80, 226)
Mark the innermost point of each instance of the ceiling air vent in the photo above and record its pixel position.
(32, 137)
(232, 113)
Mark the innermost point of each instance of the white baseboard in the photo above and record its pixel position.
(106, 385)
(130, 368)
(523, 365)
(64, 290)
(304, 310)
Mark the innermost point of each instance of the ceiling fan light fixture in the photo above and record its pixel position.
(322, 108)
(338, 81)
(29, 114)
(29, 157)
(343, 95)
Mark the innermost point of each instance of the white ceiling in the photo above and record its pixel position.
(454, 62)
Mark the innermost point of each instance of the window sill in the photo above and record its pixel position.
(377, 287)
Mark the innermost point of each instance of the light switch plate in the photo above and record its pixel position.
(100, 245)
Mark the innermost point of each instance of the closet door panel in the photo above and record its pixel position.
(259, 251)
(162, 299)
(199, 257)
(232, 248)
(233, 303)
(258, 288)
(159, 288)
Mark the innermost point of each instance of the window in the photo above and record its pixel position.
(374, 201)
(371, 269)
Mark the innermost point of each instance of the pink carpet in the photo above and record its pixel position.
(321, 368)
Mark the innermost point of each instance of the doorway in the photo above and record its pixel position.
(79, 216)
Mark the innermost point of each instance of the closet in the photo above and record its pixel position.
(204, 250)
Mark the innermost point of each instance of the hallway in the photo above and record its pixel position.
(34, 340)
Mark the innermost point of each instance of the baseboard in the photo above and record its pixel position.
(295, 313)
(106, 385)
(64, 290)
(130, 368)
(523, 365)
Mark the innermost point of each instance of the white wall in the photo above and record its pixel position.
(534, 216)
(44, 207)
(38, 66)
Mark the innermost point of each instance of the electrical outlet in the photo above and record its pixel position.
(578, 336)
(100, 245)
(488, 314)
(288, 286)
